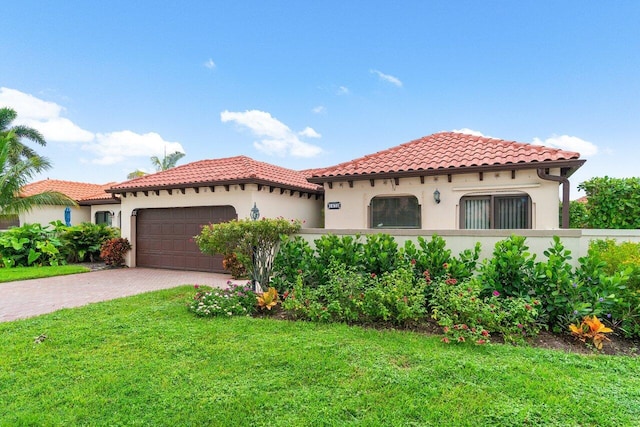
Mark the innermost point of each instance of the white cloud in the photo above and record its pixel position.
(275, 137)
(210, 64)
(343, 90)
(387, 78)
(309, 133)
(114, 147)
(319, 109)
(570, 143)
(109, 148)
(44, 116)
(470, 132)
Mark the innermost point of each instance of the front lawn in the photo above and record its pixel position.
(145, 360)
(25, 273)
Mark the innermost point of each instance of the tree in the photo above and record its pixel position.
(136, 174)
(255, 243)
(612, 203)
(17, 149)
(15, 172)
(167, 162)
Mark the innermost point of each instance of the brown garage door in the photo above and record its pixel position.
(164, 237)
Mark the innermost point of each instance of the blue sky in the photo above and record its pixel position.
(309, 84)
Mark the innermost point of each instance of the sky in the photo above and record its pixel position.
(310, 84)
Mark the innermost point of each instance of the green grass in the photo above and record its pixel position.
(25, 273)
(145, 360)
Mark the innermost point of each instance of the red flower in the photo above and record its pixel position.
(460, 339)
(445, 340)
(527, 306)
(373, 275)
(445, 265)
(413, 262)
(480, 341)
(496, 293)
(196, 286)
(446, 329)
(465, 327)
(485, 333)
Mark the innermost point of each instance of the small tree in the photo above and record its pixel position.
(255, 243)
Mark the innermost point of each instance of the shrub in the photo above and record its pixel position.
(232, 264)
(612, 272)
(113, 251)
(84, 241)
(237, 300)
(379, 254)
(613, 203)
(395, 296)
(255, 243)
(351, 296)
(467, 316)
(339, 299)
(431, 260)
(31, 244)
(511, 269)
(294, 259)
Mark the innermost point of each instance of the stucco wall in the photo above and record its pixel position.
(271, 205)
(46, 214)
(354, 212)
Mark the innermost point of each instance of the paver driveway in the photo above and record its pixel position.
(27, 298)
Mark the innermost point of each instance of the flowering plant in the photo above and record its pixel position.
(467, 317)
(237, 300)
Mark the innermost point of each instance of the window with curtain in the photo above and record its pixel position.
(395, 212)
(103, 217)
(495, 211)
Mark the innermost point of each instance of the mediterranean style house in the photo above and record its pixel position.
(94, 204)
(444, 181)
(450, 181)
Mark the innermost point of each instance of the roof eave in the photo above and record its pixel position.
(217, 183)
(570, 165)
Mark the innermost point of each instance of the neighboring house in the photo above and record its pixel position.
(449, 180)
(94, 204)
(162, 212)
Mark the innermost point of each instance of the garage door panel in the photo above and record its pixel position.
(164, 237)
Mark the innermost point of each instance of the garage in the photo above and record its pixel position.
(164, 237)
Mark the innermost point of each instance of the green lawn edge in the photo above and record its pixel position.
(26, 273)
(145, 360)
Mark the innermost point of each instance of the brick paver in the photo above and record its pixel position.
(29, 298)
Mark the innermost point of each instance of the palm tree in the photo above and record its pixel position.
(16, 133)
(167, 162)
(136, 174)
(17, 172)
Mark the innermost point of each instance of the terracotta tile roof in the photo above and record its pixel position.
(76, 190)
(239, 169)
(444, 152)
(583, 199)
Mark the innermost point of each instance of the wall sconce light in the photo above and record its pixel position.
(436, 196)
(255, 212)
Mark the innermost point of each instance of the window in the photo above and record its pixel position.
(12, 221)
(395, 212)
(103, 217)
(501, 212)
